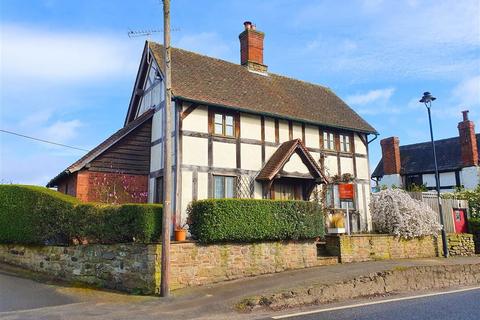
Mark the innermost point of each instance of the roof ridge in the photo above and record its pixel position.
(429, 142)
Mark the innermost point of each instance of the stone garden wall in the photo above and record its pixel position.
(125, 267)
(461, 244)
(136, 267)
(365, 247)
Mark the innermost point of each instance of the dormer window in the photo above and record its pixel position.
(224, 124)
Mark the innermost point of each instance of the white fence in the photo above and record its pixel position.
(448, 205)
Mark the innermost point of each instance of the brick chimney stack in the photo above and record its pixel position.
(251, 48)
(468, 141)
(391, 155)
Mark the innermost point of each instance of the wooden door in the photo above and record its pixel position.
(460, 220)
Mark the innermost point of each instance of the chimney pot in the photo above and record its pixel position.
(248, 25)
(465, 115)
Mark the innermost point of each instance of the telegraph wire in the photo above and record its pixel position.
(41, 140)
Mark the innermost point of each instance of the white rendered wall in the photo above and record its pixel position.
(251, 156)
(283, 131)
(195, 151)
(250, 126)
(295, 165)
(362, 168)
(346, 165)
(269, 130)
(197, 120)
(311, 137)
(224, 155)
(359, 146)
(297, 131)
(331, 165)
(469, 177)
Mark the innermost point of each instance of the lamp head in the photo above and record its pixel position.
(427, 98)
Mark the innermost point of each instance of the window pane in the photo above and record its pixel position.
(218, 118)
(229, 120)
(347, 143)
(229, 130)
(218, 128)
(229, 187)
(331, 141)
(219, 187)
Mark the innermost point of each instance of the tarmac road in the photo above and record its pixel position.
(21, 294)
(452, 306)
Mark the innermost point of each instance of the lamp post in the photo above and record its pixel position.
(427, 100)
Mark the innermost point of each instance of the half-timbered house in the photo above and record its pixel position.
(239, 131)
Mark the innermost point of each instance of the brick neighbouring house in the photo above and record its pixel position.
(239, 131)
(411, 164)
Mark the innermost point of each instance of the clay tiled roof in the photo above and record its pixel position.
(418, 158)
(102, 147)
(281, 157)
(199, 78)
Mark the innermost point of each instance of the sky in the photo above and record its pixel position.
(67, 68)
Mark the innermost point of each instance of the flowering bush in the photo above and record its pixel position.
(395, 212)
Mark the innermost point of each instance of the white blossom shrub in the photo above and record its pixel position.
(395, 212)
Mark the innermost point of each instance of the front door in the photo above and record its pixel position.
(287, 190)
(460, 220)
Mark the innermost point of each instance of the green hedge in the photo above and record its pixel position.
(474, 225)
(248, 220)
(37, 215)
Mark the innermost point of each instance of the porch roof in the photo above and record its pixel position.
(281, 156)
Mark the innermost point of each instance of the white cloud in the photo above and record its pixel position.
(62, 131)
(370, 96)
(468, 92)
(397, 40)
(32, 54)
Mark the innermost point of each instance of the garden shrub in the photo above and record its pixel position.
(37, 215)
(474, 225)
(395, 212)
(249, 220)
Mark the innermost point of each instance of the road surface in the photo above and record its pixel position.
(458, 305)
(21, 294)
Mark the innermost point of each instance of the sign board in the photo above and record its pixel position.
(346, 191)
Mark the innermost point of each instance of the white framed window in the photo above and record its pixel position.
(224, 125)
(223, 187)
(344, 143)
(328, 141)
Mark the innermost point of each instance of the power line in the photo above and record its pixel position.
(41, 140)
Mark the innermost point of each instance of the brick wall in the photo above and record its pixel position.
(357, 248)
(96, 186)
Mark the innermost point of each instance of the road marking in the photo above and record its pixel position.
(372, 303)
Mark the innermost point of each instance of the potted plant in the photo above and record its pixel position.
(336, 223)
(181, 232)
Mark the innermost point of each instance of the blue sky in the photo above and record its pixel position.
(67, 67)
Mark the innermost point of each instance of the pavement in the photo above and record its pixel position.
(207, 302)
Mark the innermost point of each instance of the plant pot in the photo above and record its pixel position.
(336, 230)
(180, 234)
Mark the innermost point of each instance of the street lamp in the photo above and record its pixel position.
(427, 100)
